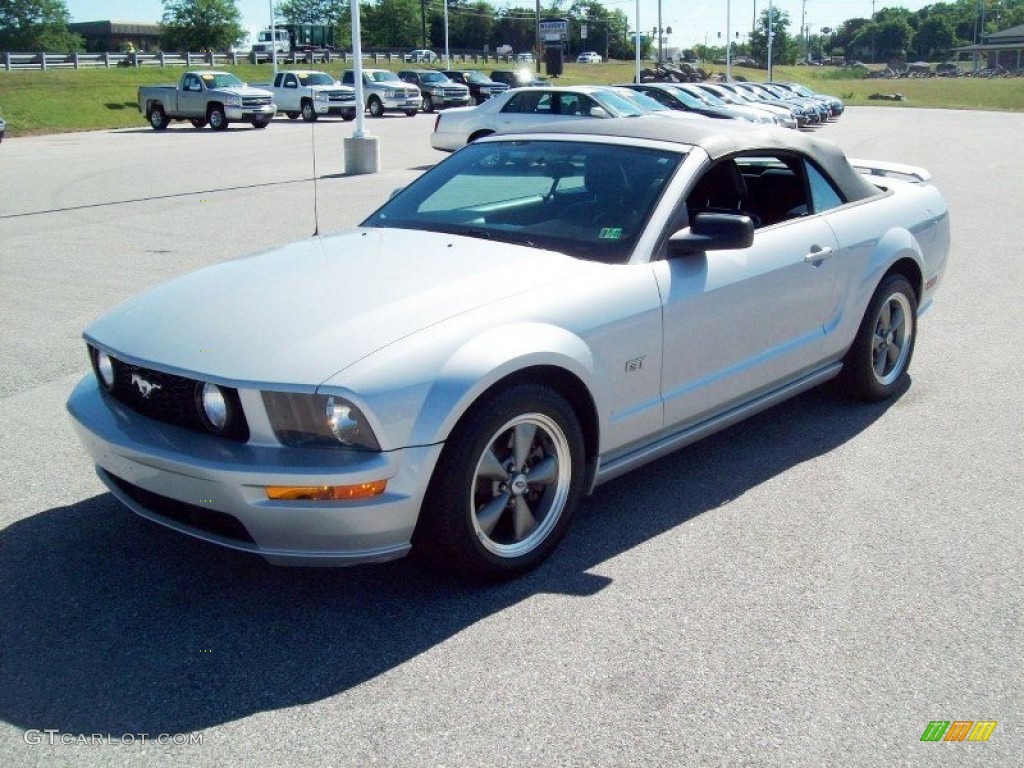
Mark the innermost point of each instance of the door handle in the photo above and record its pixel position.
(818, 254)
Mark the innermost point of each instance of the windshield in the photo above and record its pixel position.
(434, 77)
(641, 100)
(220, 80)
(475, 77)
(707, 97)
(688, 99)
(316, 78)
(587, 200)
(617, 106)
(383, 76)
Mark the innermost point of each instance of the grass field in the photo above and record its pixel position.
(58, 101)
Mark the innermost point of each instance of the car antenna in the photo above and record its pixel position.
(316, 212)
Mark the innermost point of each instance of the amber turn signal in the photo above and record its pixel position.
(326, 492)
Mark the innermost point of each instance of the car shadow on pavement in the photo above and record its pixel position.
(113, 625)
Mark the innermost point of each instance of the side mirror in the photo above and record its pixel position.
(598, 112)
(713, 232)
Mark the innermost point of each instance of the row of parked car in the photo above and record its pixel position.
(788, 105)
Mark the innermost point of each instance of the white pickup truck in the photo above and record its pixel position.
(217, 98)
(310, 93)
(383, 91)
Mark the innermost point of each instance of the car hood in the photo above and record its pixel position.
(294, 317)
(242, 90)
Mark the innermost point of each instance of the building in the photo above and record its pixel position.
(115, 36)
(1000, 49)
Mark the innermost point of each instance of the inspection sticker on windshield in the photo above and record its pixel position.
(610, 233)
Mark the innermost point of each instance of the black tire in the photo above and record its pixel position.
(489, 514)
(428, 103)
(158, 118)
(411, 112)
(376, 107)
(292, 115)
(198, 122)
(216, 118)
(348, 115)
(877, 361)
(473, 100)
(260, 122)
(308, 113)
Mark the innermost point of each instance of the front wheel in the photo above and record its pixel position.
(292, 115)
(881, 351)
(411, 112)
(428, 103)
(216, 118)
(308, 113)
(158, 119)
(348, 115)
(376, 107)
(260, 122)
(504, 490)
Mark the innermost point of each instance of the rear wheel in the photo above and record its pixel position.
(216, 118)
(881, 352)
(411, 112)
(376, 107)
(308, 113)
(158, 118)
(198, 122)
(292, 115)
(504, 490)
(428, 103)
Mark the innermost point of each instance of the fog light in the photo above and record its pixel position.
(105, 369)
(326, 492)
(214, 407)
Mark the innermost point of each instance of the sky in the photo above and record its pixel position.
(690, 21)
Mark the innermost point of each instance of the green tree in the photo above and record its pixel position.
(783, 46)
(934, 38)
(311, 11)
(391, 24)
(37, 25)
(196, 25)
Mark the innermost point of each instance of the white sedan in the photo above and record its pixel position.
(535, 315)
(520, 107)
(589, 57)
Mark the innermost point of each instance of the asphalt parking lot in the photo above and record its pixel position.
(812, 587)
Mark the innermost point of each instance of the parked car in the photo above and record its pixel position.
(836, 106)
(589, 57)
(596, 294)
(527, 106)
(674, 98)
(421, 56)
(206, 97)
(310, 94)
(524, 57)
(783, 116)
(518, 78)
(383, 91)
(481, 88)
(436, 90)
(3, 128)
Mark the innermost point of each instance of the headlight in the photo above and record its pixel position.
(232, 101)
(389, 93)
(320, 96)
(309, 421)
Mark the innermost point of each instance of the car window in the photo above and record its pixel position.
(587, 200)
(823, 195)
(770, 188)
(528, 103)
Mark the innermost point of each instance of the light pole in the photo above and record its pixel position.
(728, 41)
(771, 36)
(273, 37)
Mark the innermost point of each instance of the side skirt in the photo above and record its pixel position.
(665, 445)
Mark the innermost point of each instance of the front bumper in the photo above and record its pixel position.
(245, 114)
(403, 102)
(213, 489)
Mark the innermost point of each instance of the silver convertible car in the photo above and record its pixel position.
(533, 316)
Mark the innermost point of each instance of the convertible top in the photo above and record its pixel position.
(720, 138)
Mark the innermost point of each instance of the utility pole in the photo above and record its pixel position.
(771, 36)
(803, 26)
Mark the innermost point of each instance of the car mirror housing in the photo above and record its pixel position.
(713, 232)
(599, 112)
